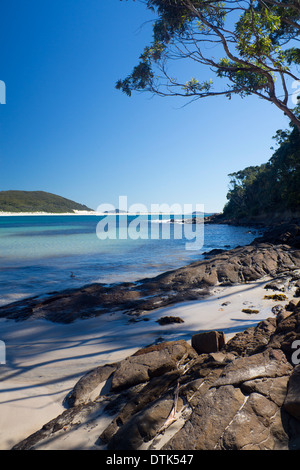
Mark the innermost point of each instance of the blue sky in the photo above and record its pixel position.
(66, 130)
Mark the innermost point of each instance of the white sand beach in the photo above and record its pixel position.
(44, 360)
(76, 212)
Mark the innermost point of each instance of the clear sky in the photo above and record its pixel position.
(66, 130)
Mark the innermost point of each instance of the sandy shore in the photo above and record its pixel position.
(76, 212)
(44, 360)
(49, 213)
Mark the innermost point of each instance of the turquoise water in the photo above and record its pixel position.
(42, 254)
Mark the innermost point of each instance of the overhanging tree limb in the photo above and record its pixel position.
(252, 49)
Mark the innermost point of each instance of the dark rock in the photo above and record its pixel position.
(143, 426)
(274, 286)
(150, 362)
(245, 396)
(256, 426)
(292, 400)
(208, 342)
(270, 363)
(252, 340)
(214, 252)
(284, 233)
(156, 388)
(169, 319)
(282, 316)
(272, 388)
(239, 265)
(291, 306)
(287, 331)
(277, 309)
(208, 420)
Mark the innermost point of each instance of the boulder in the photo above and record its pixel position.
(252, 340)
(150, 362)
(277, 309)
(169, 320)
(208, 342)
(143, 426)
(290, 307)
(87, 387)
(156, 388)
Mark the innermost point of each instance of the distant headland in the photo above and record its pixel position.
(41, 202)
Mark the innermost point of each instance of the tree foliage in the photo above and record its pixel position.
(269, 188)
(250, 44)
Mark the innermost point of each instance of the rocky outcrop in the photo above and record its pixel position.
(240, 265)
(244, 396)
(285, 233)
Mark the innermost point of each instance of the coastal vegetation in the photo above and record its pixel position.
(270, 188)
(37, 201)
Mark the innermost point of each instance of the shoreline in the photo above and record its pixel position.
(19, 214)
(46, 355)
(45, 359)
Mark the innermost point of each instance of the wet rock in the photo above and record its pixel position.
(239, 265)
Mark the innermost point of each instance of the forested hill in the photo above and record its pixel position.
(37, 201)
(271, 189)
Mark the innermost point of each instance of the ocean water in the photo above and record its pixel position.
(43, 254)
